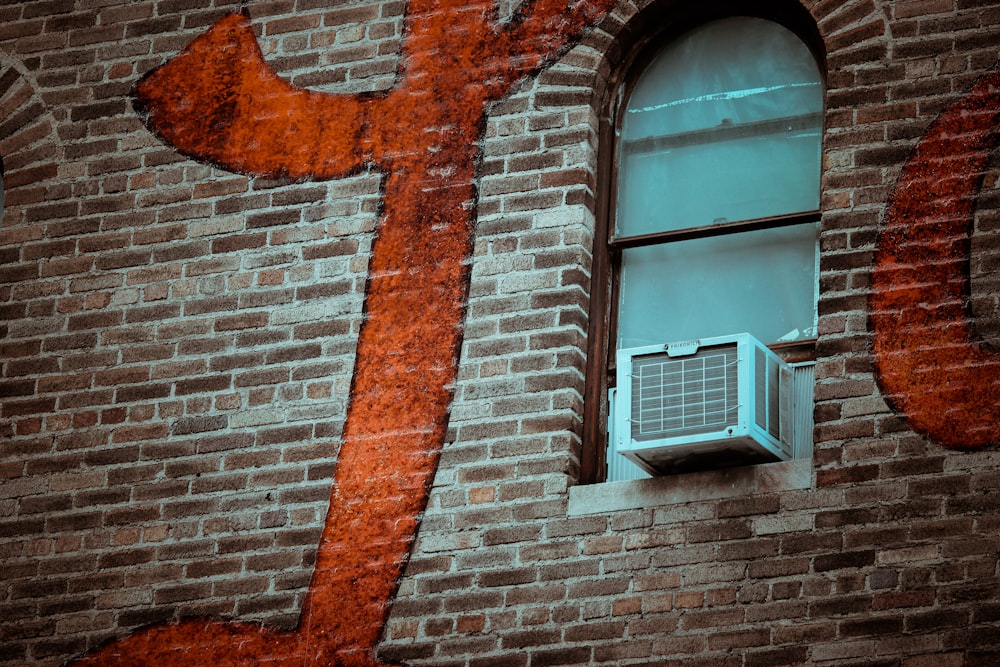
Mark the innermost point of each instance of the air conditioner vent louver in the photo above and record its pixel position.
(716, 402)
(678, 397)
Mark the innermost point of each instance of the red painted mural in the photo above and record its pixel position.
(930, 365)
(218, 101)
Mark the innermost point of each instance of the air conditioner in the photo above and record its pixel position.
(709, 403)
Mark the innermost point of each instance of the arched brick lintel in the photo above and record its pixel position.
(29, 146)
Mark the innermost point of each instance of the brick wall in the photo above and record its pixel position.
(178, 343)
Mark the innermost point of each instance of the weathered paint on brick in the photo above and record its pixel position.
(219, 101)
(930, 364)
(87, 549)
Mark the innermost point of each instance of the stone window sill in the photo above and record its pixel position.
(690, 487)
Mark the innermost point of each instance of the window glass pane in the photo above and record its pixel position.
(761, 282)
(724, 124)
(700, 185)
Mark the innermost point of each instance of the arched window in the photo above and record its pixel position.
(714, 233)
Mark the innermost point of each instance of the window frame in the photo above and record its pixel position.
(651, 31)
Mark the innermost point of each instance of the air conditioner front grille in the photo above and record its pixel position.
(676, 397)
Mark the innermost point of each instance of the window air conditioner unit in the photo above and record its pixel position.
(708, 403)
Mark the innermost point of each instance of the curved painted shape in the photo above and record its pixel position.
(929, 363)
(218, 101)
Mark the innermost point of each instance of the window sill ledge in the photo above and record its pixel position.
(690, 487)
